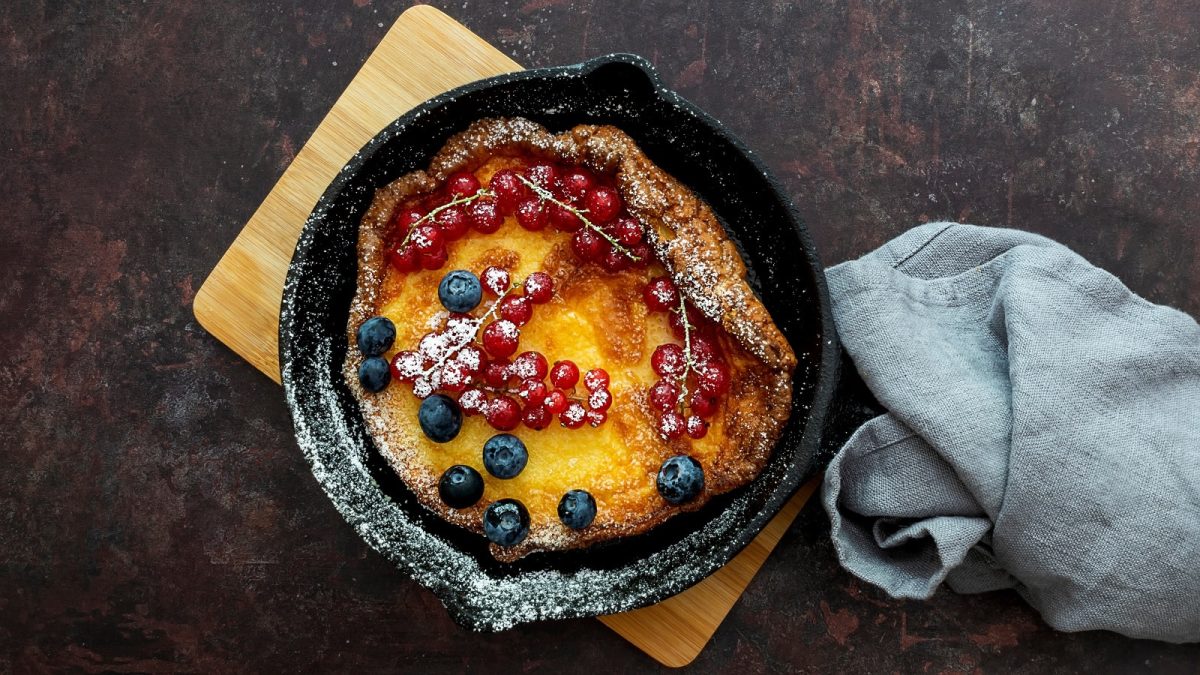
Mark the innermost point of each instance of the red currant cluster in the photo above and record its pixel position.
(507, 392)
(692, 375)
(539, 195)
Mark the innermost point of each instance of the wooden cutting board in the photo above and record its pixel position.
(425, 53)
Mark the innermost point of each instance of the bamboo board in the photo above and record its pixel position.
(425, 53)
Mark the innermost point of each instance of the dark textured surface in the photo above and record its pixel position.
(156, 512)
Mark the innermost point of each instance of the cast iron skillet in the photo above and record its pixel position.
(479, 592)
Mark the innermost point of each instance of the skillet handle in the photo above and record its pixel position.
(851, 406)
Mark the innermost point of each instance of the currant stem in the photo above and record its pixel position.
(481, 192)
(478, 323)
(544, 195)
(687, 351)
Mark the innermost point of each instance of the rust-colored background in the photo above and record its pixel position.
(155, 513)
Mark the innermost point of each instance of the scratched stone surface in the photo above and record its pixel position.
(156, 513)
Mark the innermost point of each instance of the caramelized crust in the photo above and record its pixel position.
(598, 319)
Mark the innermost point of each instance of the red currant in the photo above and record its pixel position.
(563, 219)
(700, 323)
(542, 174)
(405, 259)
(576, 182)
(404, 219)
(509, 190)
(495, 280)
(596, 378)
(574, 416)
(660, 295)
(530, 365)
(667, 360)
(484, 215)
(473, 401)
(435, 260)
(664, 395)
(627, 231)
(531, 215)
(671, 425)
(597, 417)
(472, 358)
(643, 253)
(713, 378)
(536, 417)
(564, 374)
(603, 204)
(614, 260)
(497, 373)
(703, 349)
(539, 287)
(462, 184)
(703, 404)
(452, 222)
(428, 240)
(455, 377)
(500, 337)
(696, 427)
(587, 245)
(407, 366)
(517, 309)
(533, 390)
(503, 413)
(556, 401)
(600, 399)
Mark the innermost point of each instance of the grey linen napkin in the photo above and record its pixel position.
(1043, 432)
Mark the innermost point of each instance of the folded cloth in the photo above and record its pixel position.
(1043, 432)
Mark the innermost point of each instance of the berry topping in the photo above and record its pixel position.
(564, 374)
(539, 287)
(587, 245)
(536, 417)
(440, 418)
(503, 413)
(404, 219)
(643, 253)
(504, 456)
(670, 425)
(530, 365)
(405, 258)
(577, 509)
(542, 174)
(509, 190)
(496, 373)
(376, 335)
(517, 309)
(454, 376)
(603, 204)
(462, 184)
(533, 391)
(435, 260)
(531, 215)
(452, 222)
(703, 349)
(471, 358)
(576, 183)
(374, 374)
(667, 360)
(713, 378)
(627, 231)
(562, 218)
(596, 378)
(506, 522)
(484, 215)
(664, 395)
(460, 291)
(556, 401)
(660, 295)
(500, 338)
(703, 404)
(473, 401)
(495, 280)
(574, 415)
(596, 417)
(696, 427)
(680, 479)
(428, 240)
(600, 400)
(407, 366)
(614, 260)
(460, 486)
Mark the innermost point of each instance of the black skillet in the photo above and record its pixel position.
(622, 90)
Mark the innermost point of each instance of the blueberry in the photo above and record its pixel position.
(376, 335)
(460, 291)
(506, 522)
(374, 373)
(680, 479)
(460, 487)
(577, 509)
(504, 455)
(440, 418)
